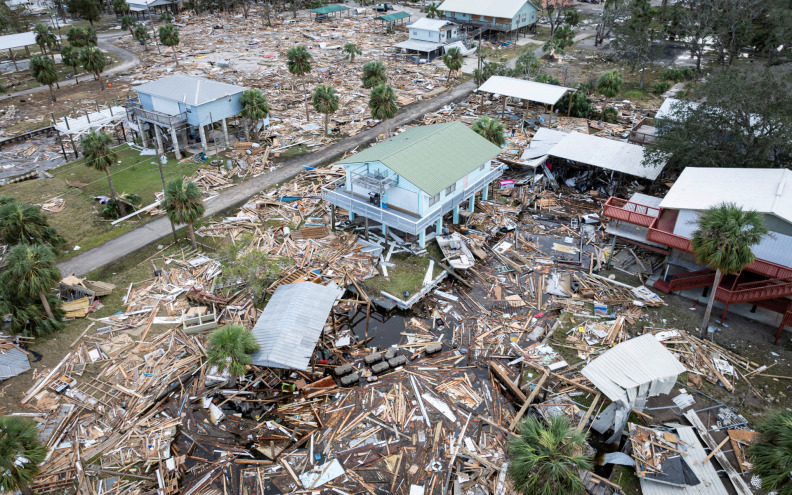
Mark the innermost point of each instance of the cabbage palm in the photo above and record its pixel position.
(184, 204)
(169, 36)
(128, 23)
(26, 315)
(723, 242)
(325, 101)
(31, 270)
(230, 347)
(142, 35)
(42, 68)
(100, 155)
(26, 223)
(45, 38)
(431, 11)
(71, 56)
(609, 83)
(254, 107)
(93, 60)
(382, 102)
(374, 74)
(490, 129)
(298, 61)
(350, 50)
(771, 453)
(20, 453)
(166, 17)
(545, 458)
(453, 60)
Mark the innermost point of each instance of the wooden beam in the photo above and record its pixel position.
(530, 399)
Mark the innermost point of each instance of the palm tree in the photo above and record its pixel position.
(184, 204)
(78, 37)
(166, 17)
(43, 70)
(93, 60)
(723, 241)
(26, 316)
(545, 459)
(453, 60)
(71, 56)
(374, 74)
(120, 7)
(771, 453)
(128, 23)
(45, 37)
(26, 223)
(169, 36)
(431, 11)
(609, 83)
(230, 347)
(350, 50)
(30, 268)
(490, 129)
(20, 453)
(142, 35)
(298, 61)
(100, 156)
(254, 107)
(325, 101)
(382, 102)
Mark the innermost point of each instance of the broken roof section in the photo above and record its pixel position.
(13, 360)
(628, 374)
(191, 90)
(291, 324)
(547, 94)
(396, 16)
(766, 190)
(607, 154)
(432, 156)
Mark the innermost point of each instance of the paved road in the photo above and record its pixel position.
(158, 229)
(128, 60)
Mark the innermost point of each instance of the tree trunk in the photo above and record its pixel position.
(121, 205)
(52, 93)
(325, 123)
(46, 305)
(307, 114)
(192, 235)
(643, 70)
(246, 127)
(174, 55)
(99, 77)
(24, 488)
(705, 321)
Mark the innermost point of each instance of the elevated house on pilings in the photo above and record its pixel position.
(667, 225)
(507, 18)
(410, 181)
(168, 109)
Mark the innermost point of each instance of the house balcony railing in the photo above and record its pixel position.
(630, 212)
(155, 116)
(336, 194)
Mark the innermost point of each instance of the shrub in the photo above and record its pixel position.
(661, 87)
(609, 83)
(609, 114)
(112, 210)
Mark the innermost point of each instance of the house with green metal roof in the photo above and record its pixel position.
(412, 180)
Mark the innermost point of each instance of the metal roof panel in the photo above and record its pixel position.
(191, 90)
(548, 94)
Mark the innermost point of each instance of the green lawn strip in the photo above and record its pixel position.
(408, 274)
(79, 222)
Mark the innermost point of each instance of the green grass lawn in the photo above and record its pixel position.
(408, 274)
(23, 80)
(79, 222)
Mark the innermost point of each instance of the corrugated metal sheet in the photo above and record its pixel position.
(429, 24)
(710, 482)
(12, 363)
(291, 324)
(605, 153)
(495, 8)
(191, 90)
(393, 17)
(631, 364)
(548, 94)
(766, 190)
(329, 9)
(418, 45)
(17, 40)
(431, 157)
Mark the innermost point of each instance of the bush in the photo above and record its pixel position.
(581, 103)
(634, 95)
(661, 87)
(677, 75)
(548, 79)
(609, 115)
(609, 83)
(111, 210)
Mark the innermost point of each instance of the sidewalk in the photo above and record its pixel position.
(158, 229)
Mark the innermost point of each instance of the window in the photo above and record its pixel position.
(450, 189)
(433, 200)
(523, 17)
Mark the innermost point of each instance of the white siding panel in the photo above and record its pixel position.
(403, 198)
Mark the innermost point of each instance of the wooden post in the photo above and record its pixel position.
(569, 110)
(530, 399)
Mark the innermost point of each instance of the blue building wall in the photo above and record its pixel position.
(526, 16)
(196, 115)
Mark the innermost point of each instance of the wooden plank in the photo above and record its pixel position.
(736, 479)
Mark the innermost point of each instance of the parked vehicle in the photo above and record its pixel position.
(383, 7)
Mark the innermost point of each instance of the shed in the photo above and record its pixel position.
(608, 154)
(628, 374)
(396, 16)
(13, 361)
(545, 94)
(291, 324)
